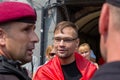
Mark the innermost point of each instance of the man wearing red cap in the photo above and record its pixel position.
(17, 39)
(109, 28)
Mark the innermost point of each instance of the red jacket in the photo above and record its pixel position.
(53, 71)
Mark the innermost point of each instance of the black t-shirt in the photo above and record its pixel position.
(109, 71)
(71, 71)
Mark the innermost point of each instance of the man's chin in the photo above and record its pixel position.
(27, 61)
(63, 56)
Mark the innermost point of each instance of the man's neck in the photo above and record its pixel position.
(65, 61)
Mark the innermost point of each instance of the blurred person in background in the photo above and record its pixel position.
(50, 52)
(85, 50)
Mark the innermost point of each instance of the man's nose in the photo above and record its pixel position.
(34, 38)
(62, 42)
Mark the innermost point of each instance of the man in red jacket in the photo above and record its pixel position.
(67, 64)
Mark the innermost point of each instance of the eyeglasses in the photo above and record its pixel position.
(66, 40)
(51, 54)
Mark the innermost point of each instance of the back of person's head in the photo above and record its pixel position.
(114, 6)
(111, 7)
(65, 24)
(16, 12)
(109, 28)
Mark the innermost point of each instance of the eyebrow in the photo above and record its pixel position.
(31, 25)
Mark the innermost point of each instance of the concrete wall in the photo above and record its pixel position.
(46, 21)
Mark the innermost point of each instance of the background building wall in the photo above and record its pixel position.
(46, 21)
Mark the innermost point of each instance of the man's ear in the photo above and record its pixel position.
(104, 19)
(2, 37)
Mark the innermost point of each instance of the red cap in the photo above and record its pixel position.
(15, 11)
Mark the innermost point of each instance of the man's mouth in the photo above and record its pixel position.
(61, 51)
(30, 51)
